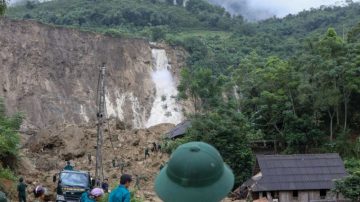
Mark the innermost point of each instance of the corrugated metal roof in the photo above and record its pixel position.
(298, 172)
(179, 129)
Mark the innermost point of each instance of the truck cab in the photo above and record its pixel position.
(71, 185)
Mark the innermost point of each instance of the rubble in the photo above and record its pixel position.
(45, 153)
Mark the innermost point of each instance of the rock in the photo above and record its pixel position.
(28, 129)
(45, 163)
(91, 132)
(64, 142)
(135, 142)
(156, 165)
(120, 125)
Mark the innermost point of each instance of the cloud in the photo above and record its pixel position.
(262, 9)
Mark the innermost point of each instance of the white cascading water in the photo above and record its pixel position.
(83, 114)
(115, 109)
(165, 108)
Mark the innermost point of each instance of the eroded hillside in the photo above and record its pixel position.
(51, 74)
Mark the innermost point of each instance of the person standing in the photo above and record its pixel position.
(21, 188)
(137, 182)
(68, 166)
(122, 166)
(138, 179)
(105, 185)
(121, 193)
(97, 182)
(154, 147)
(89, 159)
(147, 154)
(113, 162)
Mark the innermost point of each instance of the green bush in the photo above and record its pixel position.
(9, 137)
(7, 173)
(352, 165)
(134, 198)
(349, 186)
(2, 7)
(171, 145)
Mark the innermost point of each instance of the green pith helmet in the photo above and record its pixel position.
(195, 173)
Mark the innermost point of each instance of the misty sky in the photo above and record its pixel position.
(262, 9)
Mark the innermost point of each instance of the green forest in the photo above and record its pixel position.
(294, 81)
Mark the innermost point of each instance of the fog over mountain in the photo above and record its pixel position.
(262, 9)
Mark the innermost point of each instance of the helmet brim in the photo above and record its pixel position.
(169, 191)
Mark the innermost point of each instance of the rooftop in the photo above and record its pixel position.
(179, 130)
(298, 172)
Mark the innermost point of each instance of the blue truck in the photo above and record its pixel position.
(71, 185)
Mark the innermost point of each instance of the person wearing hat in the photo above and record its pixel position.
(21, 188)
(121, 193)
(195, 172)
(93, 196)
(39, 193)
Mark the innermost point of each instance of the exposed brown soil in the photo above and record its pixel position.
(45, 153)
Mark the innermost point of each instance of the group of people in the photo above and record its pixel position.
(195, 172)
(39, 191)
(120, 194)
(204, 177)
(156, 147)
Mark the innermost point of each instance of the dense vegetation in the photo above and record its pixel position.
(302, 103)
(294, 80)
(9, 141)
(350, 186)
(127, 17)
(2, 7)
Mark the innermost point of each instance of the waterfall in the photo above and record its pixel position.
(138, 112)
(165, 108)
(83, 114)
(237, 97)
(127, 99)
(114, 109)
(236, 92)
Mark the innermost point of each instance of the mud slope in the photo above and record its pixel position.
(51, 74)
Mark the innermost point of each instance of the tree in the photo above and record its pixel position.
(270, 99)
(349, 187)
(3, 7)
(331, 49)
(217, 120)
(158, 33)
(9, 137)
(202, 87)
(229, 132)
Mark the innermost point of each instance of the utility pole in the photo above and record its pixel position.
(99, 173)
